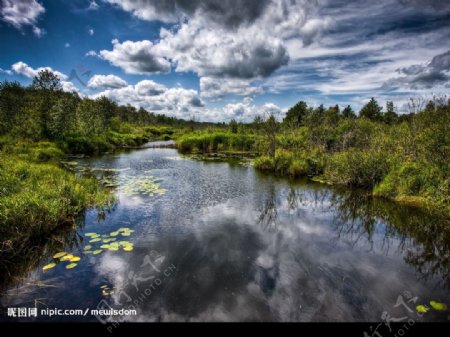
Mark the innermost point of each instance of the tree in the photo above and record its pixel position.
(348, 112)
(371, 111)
(390, 117)
(233, 126)
(46, 80)
(271, 128)
(296, 115)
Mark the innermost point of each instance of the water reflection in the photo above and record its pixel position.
(228, 244)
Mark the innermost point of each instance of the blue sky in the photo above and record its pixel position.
(223, 59)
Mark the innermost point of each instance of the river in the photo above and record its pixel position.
(190, 240)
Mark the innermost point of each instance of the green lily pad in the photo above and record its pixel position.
(113, 248)
(59, 255)
(95, 240)
(438, 306)
(49, 266)
(114, 233)
(105, 246)
(87, 247)
(91, 234)
(422, 309)
(96, 252)
(70, 266)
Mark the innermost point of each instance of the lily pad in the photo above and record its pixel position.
(75, 259)
(113, 248)
(59, 255)
(128, 248)
(422, 309)
(438, 306)
(87, 247)
(66, 257)
(91, 234)
(95, 240)
(125, 234)
(49, 266)
(114, 233)
(70, 266)
(98, 251)
(105, 246)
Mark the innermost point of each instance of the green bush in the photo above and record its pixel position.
(357, 168)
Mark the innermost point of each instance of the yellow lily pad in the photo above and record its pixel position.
(128, 248)
(95, 240)
(70, 266)
(438, 306)
(422, 309)
(75, 259)
(98, 251)
(66, 257)
(49, 266)
(59, 255)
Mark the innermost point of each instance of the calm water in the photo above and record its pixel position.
(221, 242)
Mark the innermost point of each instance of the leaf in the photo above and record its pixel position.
(58, 255)
(70, 266)
(438, 306)
(105, 246)
(66, 257)
(98, 251)
(114, 233)
(91, 234)
(87, 247)
(422, 309)
(49, 266)
(95, 240)
(75, 259)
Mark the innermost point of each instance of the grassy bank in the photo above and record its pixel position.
(403, 158)
(36, 195)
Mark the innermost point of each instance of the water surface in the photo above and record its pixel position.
(216, 241)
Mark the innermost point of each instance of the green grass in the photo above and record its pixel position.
(215, 141)
(36, 195)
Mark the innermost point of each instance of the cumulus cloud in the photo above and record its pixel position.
(230, 13)
(135, 57)
(22, 68)
(93, 6)
(20, 13)
(419, 76)
(215, 87)
(226, 38)
(106, 81)
(152, 96)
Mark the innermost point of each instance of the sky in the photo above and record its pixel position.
(219, 60)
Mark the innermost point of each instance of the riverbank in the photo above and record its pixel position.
(388, 161)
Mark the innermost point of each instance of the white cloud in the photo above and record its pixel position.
(93, 6)
(106, 81)
(69, 87)
(20, 13)
(91, 31)
(24, 69)
(67, 45)
(39, 32)
(216, 87)
(178, 102)
(91, 53)
(5, 71)
(135, 57)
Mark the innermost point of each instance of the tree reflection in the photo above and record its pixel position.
(421, 236)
